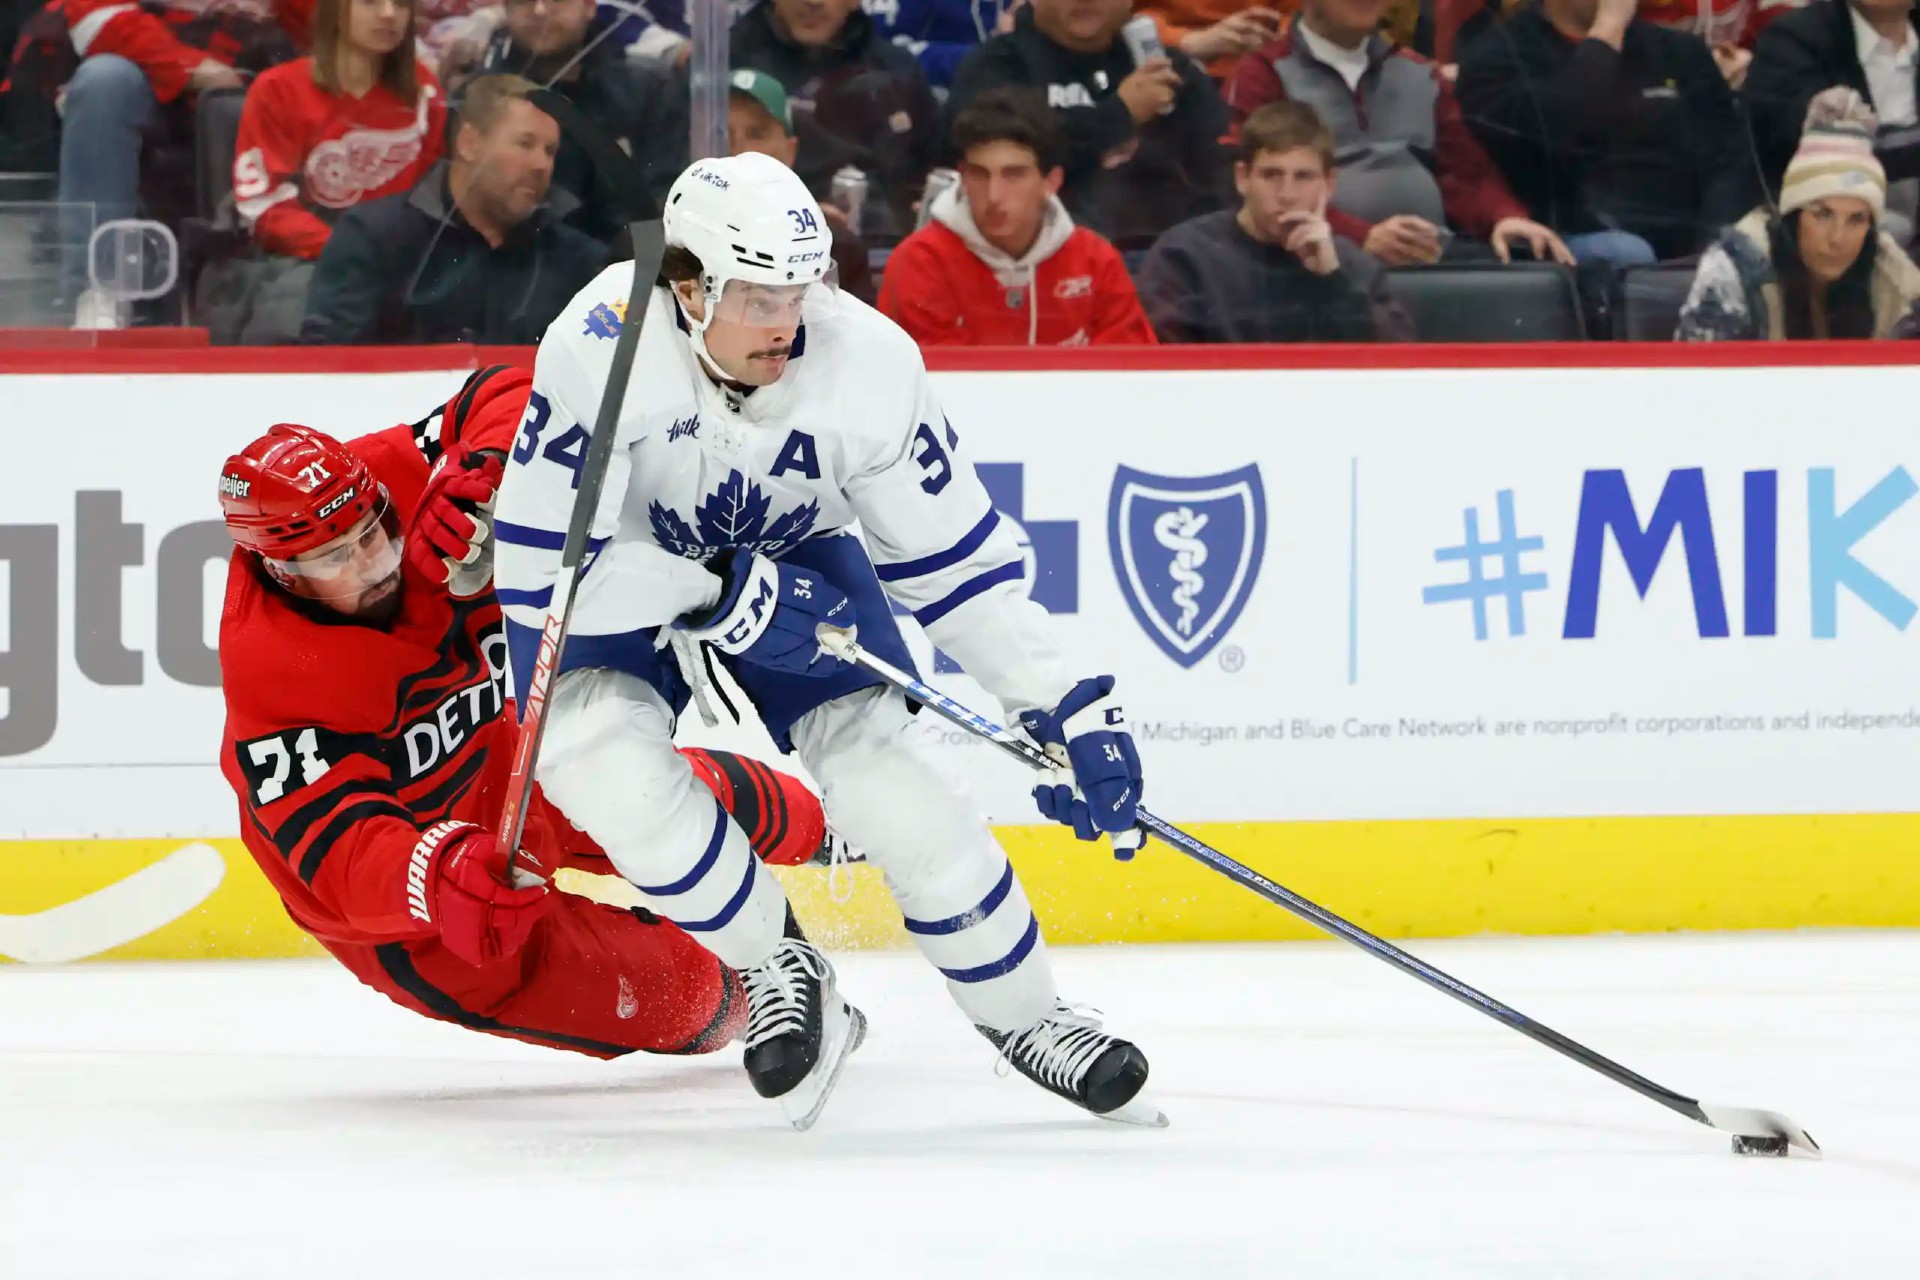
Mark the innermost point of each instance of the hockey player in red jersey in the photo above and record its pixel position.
(369, 744)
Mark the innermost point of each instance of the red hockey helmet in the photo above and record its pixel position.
(295, 489)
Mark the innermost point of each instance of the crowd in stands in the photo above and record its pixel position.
(996, 172)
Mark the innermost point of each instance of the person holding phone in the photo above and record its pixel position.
(1414, 173)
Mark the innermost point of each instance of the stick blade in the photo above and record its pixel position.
(1747, 1123)
(128, 909)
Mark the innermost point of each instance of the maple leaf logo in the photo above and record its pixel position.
(671, 532)
(733, 515)
(606, 320)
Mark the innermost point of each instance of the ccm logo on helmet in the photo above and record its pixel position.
(334, 503)
(235, 487)
(807, 257)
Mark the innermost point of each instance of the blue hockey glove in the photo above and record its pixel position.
(767, 613)
(1087, 733)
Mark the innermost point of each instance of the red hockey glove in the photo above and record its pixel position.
(451, 538)
(456, 881)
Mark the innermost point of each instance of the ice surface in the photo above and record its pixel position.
(1331, 1118)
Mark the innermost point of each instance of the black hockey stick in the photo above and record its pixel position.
(649, 247)
(1755, 1132)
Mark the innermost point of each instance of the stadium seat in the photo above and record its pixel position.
(216, 133)
(1490, 302)
(1650, 300)
(214, 234)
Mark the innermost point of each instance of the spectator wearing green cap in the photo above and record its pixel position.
(859, 102)
(759, 118)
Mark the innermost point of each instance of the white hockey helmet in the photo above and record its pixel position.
(765, 248)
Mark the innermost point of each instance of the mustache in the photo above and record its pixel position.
(771, 353)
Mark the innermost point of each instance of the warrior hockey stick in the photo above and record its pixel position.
(649, 247)
(1755, 1132)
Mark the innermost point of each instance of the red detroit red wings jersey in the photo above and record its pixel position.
(305, 154)
(344, 741)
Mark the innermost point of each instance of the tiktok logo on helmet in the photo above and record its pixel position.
(1187, 551)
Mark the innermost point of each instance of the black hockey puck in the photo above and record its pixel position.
(1746, 1145)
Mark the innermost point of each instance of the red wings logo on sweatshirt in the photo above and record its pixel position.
(342, 170)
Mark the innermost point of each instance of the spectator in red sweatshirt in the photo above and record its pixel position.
(358, 120)
(1411, 173)
(1001, 263)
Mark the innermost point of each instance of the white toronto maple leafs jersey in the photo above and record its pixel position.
(849, 438)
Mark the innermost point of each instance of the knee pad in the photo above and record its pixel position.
(963, 906)
(882, 793)
(609, 763)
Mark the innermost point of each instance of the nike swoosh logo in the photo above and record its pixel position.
(149, 899)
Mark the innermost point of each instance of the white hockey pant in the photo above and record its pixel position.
(963, 905)
(608, 761)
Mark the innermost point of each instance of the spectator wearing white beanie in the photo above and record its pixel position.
(1835, 156)
(1822, 267)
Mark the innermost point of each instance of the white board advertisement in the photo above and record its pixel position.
(1326, 594)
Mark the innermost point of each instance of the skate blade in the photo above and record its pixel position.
(1140, 1110)
(845, 1032)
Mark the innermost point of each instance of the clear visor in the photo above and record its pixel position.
(363, 556)
(778, 306)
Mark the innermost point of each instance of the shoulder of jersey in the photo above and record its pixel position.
(870, 368)
(269, 653)
(594, 316)
(856, 333)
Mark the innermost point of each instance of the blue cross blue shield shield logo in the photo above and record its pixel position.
(1187, 551)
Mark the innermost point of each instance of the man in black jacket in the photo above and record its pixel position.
(472, 253)
(857, 101)
(1620, 135)
(637, 115)
(1143, 142)
(1273, 271)
(1868, 46)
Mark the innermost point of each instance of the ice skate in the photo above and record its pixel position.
(799, 1031)
(1067, 1053)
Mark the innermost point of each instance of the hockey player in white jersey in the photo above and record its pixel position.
(767, 413)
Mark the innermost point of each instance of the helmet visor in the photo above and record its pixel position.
(363, 557)
(778, 306)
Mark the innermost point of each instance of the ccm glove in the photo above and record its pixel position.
(1088, 734)
(456, 882)
(767, 614)
(451, 541)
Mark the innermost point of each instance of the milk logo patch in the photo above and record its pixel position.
(1187, 550)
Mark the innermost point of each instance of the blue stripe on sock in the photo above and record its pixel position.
(508, 597)
(969, 543)
(966, 591)
(700, 868)
(732, 909)
(1005, 965)
(967, 919)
